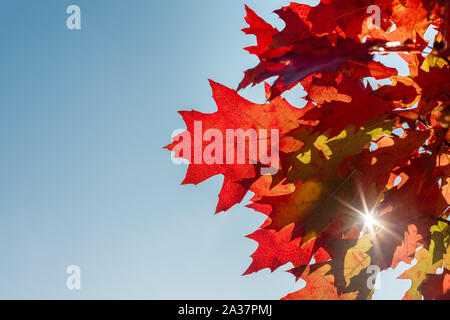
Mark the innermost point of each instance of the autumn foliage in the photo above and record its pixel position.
(351, 152)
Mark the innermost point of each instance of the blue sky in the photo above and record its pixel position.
(83, 176)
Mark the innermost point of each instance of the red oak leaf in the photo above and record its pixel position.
(234, 113)
(406, 251)
(310, 57)
(276, 248)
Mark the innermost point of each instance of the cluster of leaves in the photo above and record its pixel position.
(352, 150)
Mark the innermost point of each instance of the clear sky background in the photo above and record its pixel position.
(83, 176)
